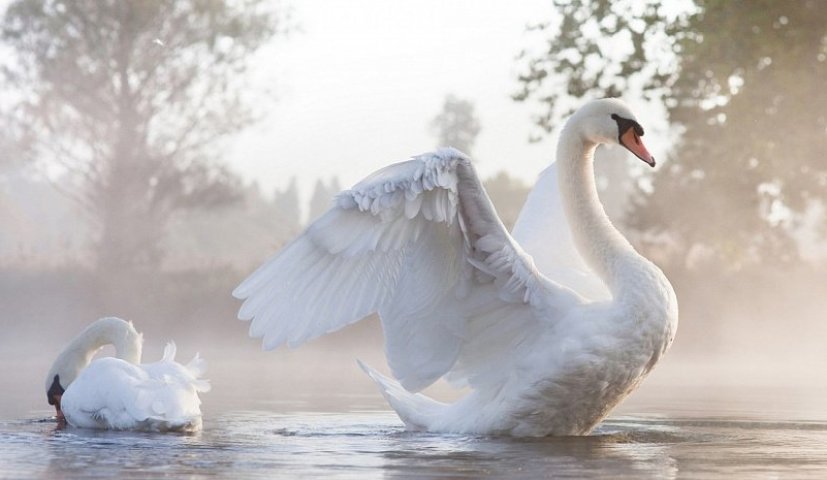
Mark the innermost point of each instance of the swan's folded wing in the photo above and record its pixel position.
(510, 314)
(414, 242)
(543, 231)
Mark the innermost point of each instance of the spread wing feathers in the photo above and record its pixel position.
(413, 241)
(497, 330)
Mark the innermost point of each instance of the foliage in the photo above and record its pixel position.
(745, 84)
(456, 125)
(598, 49)
(127, 102)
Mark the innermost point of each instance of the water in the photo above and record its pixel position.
(300, 423)
(359, 445)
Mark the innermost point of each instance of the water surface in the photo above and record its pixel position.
(323, 423)
(260, 444)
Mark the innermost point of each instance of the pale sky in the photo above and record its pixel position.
(358, 86)
(359, 81)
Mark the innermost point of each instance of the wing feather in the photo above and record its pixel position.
(420, 243)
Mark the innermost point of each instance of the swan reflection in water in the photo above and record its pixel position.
(367, 445)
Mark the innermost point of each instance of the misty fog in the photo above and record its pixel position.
(117, 198)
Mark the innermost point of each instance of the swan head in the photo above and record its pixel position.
(611, 121)
(78, 353)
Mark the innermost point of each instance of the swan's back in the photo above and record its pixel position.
(114, 394)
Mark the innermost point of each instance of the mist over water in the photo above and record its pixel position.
(741, 392)
(107, 208)
(312, 412)
(755, 409)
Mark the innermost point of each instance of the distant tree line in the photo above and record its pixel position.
(126, 105)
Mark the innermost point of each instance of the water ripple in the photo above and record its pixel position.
(371, 444)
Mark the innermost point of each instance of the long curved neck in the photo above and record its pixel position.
(113, 331)
(602, 246)
(109, 331)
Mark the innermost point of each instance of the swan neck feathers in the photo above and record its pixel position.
(78, 353)
(602, 246)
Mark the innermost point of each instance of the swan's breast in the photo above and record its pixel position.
(647, 299)
(591, 365)
(579, 386)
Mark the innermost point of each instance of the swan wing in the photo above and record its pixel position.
(418, 242)
(543, 231)
(103, 395)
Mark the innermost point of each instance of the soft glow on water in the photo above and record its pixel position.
(253, 444)
(312, 413)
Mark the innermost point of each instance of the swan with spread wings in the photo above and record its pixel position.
(549, 327)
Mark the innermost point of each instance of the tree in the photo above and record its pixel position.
(598, 49)
(128, 102)
(456, 125)
(203, 238)
(508, 195)
(745, 84)
(286, 203)
(322, 198)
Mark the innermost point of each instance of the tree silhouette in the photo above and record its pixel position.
(127, 104)
(287, 204)
(456, 125)
(322, 198)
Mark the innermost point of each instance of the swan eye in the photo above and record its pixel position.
(624, 124)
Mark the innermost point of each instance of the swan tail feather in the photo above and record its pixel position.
(417, 411)
(197, 367)
(169, 352)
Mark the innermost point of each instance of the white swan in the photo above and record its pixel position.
(120, 393)
(546, 351)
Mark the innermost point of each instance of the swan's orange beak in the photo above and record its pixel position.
(631, 140)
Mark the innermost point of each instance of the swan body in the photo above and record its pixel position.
(549, 328)
(120, 393)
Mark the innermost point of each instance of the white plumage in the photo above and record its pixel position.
(121, 393)
(420, 243)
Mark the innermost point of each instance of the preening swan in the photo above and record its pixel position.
(550, 328)
(121, 393)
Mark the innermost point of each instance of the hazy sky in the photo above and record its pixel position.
(360, 83)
